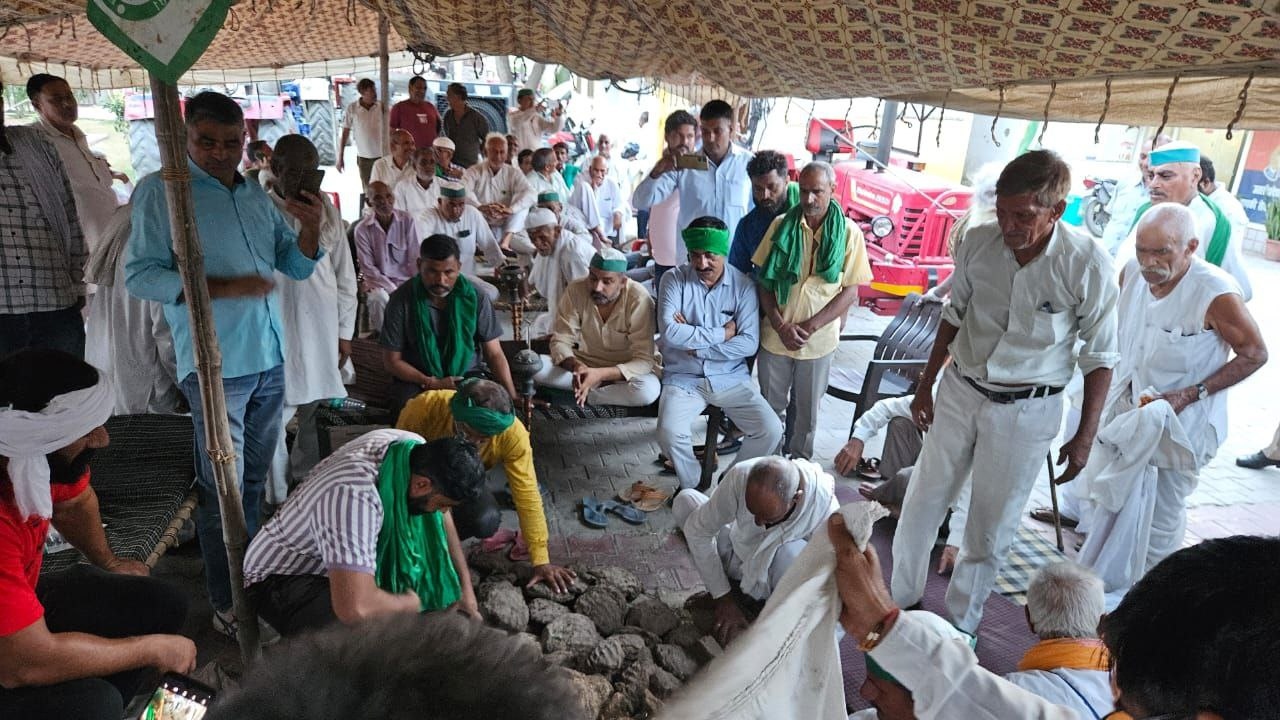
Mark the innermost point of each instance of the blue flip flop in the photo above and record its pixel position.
(593, 513)
(628, 513)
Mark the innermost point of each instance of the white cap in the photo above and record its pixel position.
(539, 217)
(443, 142)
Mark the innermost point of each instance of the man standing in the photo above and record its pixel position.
(42, 249)
(369, 533)
(665, 244)
(442, 148)
(436, 327)
(387, 247)
(1130, 194)
(245, 240)
(601, 202)
(708, 325)
(452, 216)
(561, 258)
(367, 117)
(464, 126)
(527, 122)
(1024, 291)
(89, 174)
(417, 195)
(752, 528)
(543, 178)
(1219, 195)
(773, 195)
(319, 316)
(77, 643)
(810, 265)
(602, 342)
(1180, 320)
(499, 190)
(397, 166)
(416, 115)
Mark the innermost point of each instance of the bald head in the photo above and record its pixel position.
(773, 484)
(598, 170)
(1165, 245)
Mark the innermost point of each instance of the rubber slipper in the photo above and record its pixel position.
(868, 469)
(519, 550)
(593, 513)
(498, 540)
(626, 512)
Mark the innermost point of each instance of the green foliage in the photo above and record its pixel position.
(115, 103)
(1273, 219)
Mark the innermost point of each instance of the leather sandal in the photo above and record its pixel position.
(1045, 515)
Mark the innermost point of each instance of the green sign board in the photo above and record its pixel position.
(165, 36)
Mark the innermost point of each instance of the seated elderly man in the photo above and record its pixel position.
(1069, 666)
(602, 203)
(1180, 321)
(368, 533)
(499, 190)
(442, 148)
(78, 643)
(482, 412)
(754, 525)
(398, 165)
(437, 328)
(387, 243)
(562, 258)
(602, 340)
(571, 218)
(543, 176)
(418, 194)
(708, 325)
(452, 216)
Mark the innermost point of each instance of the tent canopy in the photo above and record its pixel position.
(964, 53)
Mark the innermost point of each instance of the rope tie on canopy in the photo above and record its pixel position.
(176, 174)
(1168, 100)
(937, 140)
(1106, 105)
(218, 457)
(1243, 96)
(996, 119)
(351, 13)
(233, 20)
(1053, 89)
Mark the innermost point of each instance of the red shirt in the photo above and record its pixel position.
(422, 120)
(22, 552)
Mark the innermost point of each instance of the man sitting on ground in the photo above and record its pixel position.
(452, 216)
(601, 201)
(754, 525)
(397, 166)
(571, 218)
(602, 342)
(74, 644)
(561, 259)
(544, 177)
(417, 195)
(435, 322)
(481, 412)
(1069, 666)
(368, 533)
(387, 243)
(708, 325)
(442, 148)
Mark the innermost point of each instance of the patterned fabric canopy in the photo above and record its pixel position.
(913, 49)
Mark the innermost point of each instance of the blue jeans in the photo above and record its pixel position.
(55, 330)
(254, 406)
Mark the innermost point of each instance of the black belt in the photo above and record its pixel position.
(1004, 398)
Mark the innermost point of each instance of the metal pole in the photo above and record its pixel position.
(384, 79)
(170, 137)
(888, 123)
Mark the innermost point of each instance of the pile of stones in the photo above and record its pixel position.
(625, 650)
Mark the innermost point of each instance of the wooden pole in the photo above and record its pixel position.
(171, 139)
(384, 79)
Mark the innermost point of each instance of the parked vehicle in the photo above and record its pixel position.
(577, 136)
(1096, 208)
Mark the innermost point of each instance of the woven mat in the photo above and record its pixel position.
(144, 481)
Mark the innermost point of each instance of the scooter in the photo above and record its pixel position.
(1096, 209)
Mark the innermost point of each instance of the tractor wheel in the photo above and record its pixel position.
(144, 153)
(494, 112)
(272, 130)
(320, 118)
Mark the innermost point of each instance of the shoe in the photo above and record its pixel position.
(1256, 461)
(224, 621)
(1045, 515)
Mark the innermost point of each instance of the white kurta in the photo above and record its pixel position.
(599, 204)
(386, 172)
(541, 184)
(506, 186)
(416, 200)
(90, 179)
(549, 275)
(1088, 692)
(528, 126)
(471, 231)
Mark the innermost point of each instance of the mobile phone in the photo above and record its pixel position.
(310, 182)
(178, 698)
(691, 161)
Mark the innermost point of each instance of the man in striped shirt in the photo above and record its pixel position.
(315, 561)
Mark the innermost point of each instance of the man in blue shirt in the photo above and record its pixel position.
(708, 325)
(772, 194)
(244, 239)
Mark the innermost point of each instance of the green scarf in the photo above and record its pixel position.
(782, 269)
(486, 421)
(1217, 250)
(413, 550)
(793, 195)
(454, 356)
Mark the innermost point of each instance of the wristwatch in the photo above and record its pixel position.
(1202, 391)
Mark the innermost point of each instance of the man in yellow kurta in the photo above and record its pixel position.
(810, 262)
(481, 411)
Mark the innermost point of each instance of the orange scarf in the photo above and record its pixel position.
(1070, 653)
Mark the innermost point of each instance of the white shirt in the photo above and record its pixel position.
(528, 126)
(879, 415)
(542, 184)
(385, 171)
(1091, 694)
(471, 231)
(416, 200)
(1018, 325)
(507, 186)
(368, 126)
(722, 191)
(90, 179)
(1206, 223)
(665, 242)
(599, 204)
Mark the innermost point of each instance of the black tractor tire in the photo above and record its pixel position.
(493, 110)
(144, 153)
(273, 130)
(320, 117)
(1095, 216)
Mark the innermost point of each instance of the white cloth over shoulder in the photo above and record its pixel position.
(785, 666)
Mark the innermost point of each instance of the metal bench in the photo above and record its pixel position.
(900, 355)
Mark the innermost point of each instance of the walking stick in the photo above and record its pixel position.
(1053, 497)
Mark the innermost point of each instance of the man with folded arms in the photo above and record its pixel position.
(602, 341)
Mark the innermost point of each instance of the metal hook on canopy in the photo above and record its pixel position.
(937, 140)
(1168, 100)
(477, 65)
(1053, 89)
(876, 133)
(996, 119)
(1244, 98)
(1106, 105)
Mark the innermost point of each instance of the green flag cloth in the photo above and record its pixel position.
(782, 268)
(1217, 250)
(452, 357)
(413, 550)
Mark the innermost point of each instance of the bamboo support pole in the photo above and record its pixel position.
(384, 79)
(171, 139)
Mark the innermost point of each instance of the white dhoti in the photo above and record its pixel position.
(639, 391)
(688, 501)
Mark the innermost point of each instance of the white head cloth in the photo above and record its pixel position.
(539, 217)
(27, 437)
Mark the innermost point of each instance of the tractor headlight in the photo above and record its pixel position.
(881, 226)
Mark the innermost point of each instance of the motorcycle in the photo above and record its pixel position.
(577, 136)
(1095, 211)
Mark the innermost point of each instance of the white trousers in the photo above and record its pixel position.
(678, 408)
(780, 376)
(637, 392)
(687, 501)
(288, 468)
(1004, 447)
(376, 302)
